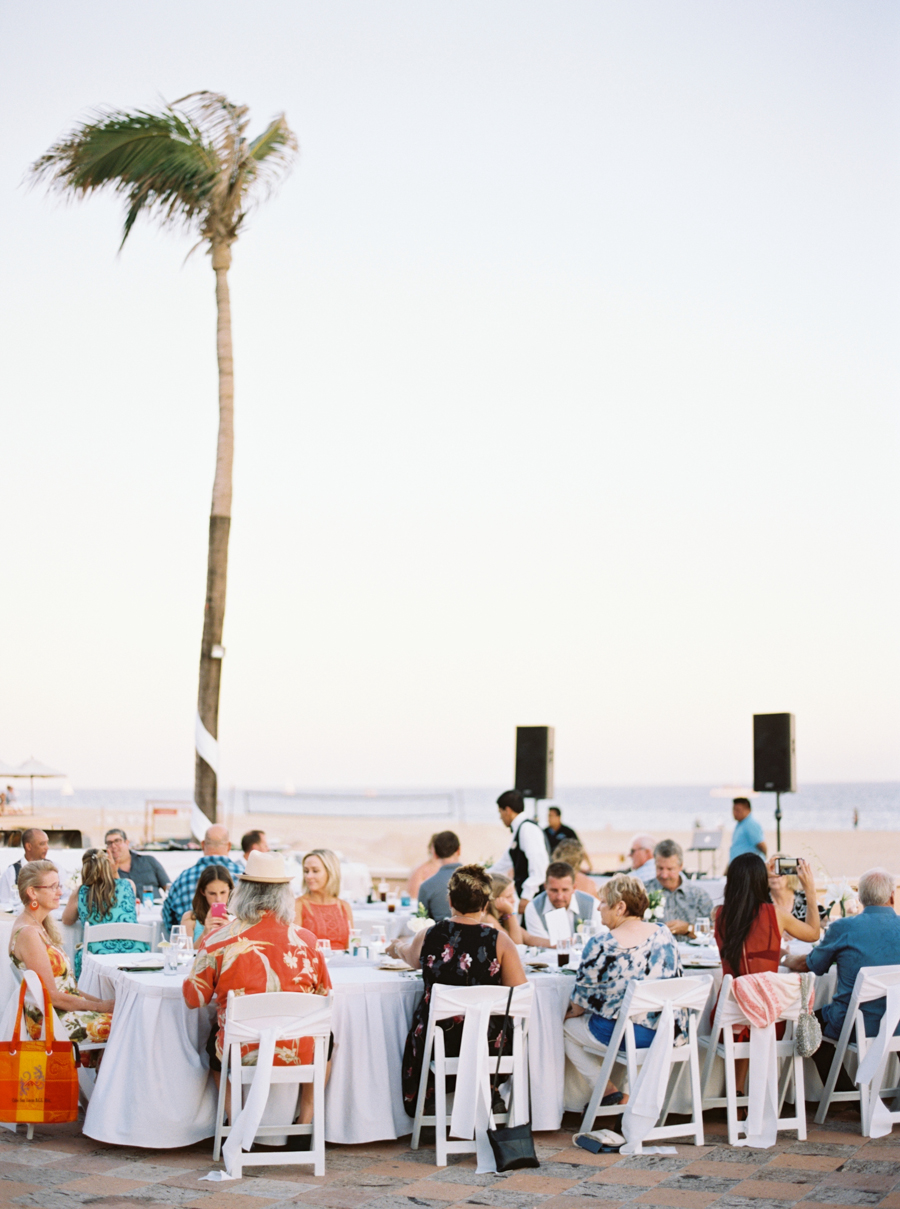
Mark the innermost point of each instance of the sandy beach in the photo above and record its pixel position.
(393, 846)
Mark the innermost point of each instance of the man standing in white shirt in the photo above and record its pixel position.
(34, 847)
(527, 858)
(560, 892)
(643, 865)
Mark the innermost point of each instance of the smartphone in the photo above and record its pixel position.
(786, 864)
(218, 911)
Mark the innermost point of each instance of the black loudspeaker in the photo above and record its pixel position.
(534, 761)
(774, 756)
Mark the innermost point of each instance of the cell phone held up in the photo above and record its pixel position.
(218, 911)
(787, 865)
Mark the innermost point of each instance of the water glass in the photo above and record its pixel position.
(563, 948)
(323, 944)
(703, 928)
(170, 959)
(148, 896)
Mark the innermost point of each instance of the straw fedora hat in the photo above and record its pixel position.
(265, 867)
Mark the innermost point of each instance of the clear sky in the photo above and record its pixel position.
(566, 389)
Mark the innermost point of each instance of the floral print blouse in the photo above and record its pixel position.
(80, 1026)
(607, 970)
(254, 959)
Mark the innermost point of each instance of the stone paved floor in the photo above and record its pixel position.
(61, 1169)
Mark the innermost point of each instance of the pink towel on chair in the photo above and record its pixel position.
(764, 997)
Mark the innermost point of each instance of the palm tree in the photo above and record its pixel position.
(188, 165)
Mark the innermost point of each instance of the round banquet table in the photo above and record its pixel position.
(153, 1087)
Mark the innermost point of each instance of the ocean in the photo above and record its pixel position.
(823, 807)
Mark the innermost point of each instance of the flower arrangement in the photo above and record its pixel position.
(840, 892)
(656, 910)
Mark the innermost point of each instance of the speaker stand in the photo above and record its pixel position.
(777, 822)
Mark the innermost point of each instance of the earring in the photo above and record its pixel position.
(33, 905)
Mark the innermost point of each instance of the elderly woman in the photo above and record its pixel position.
(261, 950)
(35, 944)
(103, 898)
(611, 961)
(461, 951)
(320, 907)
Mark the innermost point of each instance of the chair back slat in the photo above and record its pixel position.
(94, 933)
(454, 1001)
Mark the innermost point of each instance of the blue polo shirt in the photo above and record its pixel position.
(870, 939)
(747, 834)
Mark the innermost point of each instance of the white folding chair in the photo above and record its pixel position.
(721, 1044)
(450, 1001)
(94, 933)
(650, 995)
(872, 982)
(291, 1015)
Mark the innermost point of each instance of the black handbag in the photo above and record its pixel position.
(513, 1145)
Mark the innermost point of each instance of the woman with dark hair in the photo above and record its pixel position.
(749, 928)
(460, 951)
(214, 887)
(749, 925)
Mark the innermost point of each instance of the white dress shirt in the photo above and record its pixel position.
(535, 925)
(9, 889)
(532, 844)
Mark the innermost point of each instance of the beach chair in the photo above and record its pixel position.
(872, 982)
(652, 995)
(481, 1001)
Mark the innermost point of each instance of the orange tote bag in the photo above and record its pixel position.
(38, 1079)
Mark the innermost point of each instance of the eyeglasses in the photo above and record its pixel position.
(52, 886)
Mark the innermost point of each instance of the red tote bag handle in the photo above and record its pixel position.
(48, 1015)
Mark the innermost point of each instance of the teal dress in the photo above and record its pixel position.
(124, 912)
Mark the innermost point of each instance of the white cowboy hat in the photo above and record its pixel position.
(265, 867)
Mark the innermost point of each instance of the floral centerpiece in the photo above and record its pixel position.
(656, 911)
(840, 892)
(420, 921)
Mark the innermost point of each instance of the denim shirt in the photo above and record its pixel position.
(870, 939)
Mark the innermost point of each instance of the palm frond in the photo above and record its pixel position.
(158, 161)
(190, 162)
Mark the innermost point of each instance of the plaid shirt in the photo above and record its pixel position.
(181, 893)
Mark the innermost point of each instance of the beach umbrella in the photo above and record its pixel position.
(32, 768)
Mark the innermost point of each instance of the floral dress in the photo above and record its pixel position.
(460, 955)
(80, 1026)
(123, 912)
(253, 959)
(607, 971)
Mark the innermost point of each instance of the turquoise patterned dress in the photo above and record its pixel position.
(124, 912)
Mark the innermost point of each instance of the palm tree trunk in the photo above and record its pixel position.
(207, 723)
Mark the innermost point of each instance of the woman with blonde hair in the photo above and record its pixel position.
(572, 852)
(35, 944)
(320, 909)
(103, 898)
(502, 912)
(628, 948)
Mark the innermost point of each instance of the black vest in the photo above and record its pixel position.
(519, 859)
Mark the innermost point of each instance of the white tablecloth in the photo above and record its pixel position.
(152, 1090)
(153, 1087)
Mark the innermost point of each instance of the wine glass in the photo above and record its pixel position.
(703, 929)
